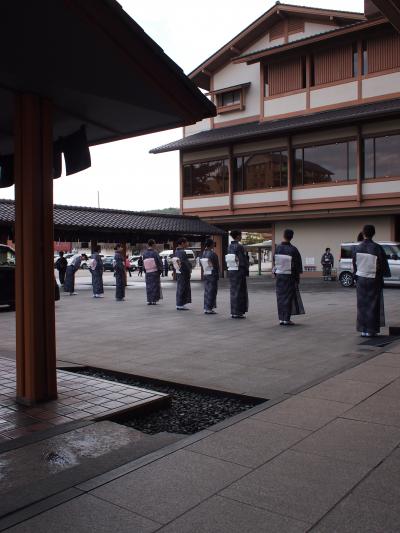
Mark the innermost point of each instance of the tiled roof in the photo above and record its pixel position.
(68, 217)
(300, 40)
(346, 115)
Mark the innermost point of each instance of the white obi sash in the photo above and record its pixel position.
(177, 264)
(366, 265)
(283, 264)
(231, 262)
(150, 264)
(207, 266)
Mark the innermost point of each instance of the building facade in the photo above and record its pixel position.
(307, 133)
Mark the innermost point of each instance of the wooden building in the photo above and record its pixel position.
(307, 133)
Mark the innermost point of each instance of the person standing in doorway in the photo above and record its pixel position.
(97, 269)
(327, 262)
(152, 265)
(119, 273)
(210, 265)
(370, 266)
(287, 270)
(61, 266)
(73, 266)
(183, 269)
(238, 270)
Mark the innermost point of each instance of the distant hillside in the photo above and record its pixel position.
(165, 211)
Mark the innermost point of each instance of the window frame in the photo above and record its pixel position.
(373, 137)
(242, 177)
(224, 162)
(303, 146)
(218, 95)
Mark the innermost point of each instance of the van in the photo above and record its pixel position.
(345, 269)
(170, 253)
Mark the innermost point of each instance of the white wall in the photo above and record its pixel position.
(335, 94)
(203, 125)
(312, 28)
(235, 74)
(286, 104)
(311, 193)
(312, 236)
(381, 187)
(380, 85)
(260, 197)
(206, 201)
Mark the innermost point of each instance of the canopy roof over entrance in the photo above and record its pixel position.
(112, 225)
(96, 65)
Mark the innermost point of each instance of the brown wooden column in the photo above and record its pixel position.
(360, 164)
(35, 320)
(290, 171)
(219, 251)
(230, 178)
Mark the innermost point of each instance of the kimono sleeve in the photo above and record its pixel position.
(384, 264)
(298, 264)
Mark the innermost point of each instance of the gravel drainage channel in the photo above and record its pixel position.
(191, 409)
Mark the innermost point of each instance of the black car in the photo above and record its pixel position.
(7, 276)
(108, 263)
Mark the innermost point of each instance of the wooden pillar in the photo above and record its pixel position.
(35, 320)
(290, 172)
(230, 179)
(93, 244)
(360, 164)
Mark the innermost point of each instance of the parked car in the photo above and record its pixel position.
(108, 263)
(170, 253)
(345, 267)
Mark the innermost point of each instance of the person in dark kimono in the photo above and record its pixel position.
(73, 265)
(210, 265)
(287, 270)
(183, 270)
(119, 273)
(61, 265)
(152, 266)
(238, 269)
(370, 267)
(97, 269)
(165, 266)
(327, 262)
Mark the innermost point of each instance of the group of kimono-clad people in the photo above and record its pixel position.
(152, 265)
(370, 267)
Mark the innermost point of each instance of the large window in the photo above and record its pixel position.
(210, 177)
(382, 157)
(326, 163)
(260, 171)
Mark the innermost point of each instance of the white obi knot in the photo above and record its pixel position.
(232, 262)
(206, 265)
(177, 264)
(150, 264)
(283, 264)
(366, 265)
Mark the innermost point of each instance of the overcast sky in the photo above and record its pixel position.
(189, 31)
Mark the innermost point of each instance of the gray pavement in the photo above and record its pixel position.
(306, 463)
(254, 356)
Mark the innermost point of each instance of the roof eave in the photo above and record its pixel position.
(256, 57)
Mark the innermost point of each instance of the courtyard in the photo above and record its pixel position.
(254, 357)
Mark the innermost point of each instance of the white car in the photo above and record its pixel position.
(170, 253)
(345, 267)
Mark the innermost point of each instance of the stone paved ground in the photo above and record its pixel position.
(324, 460)
(253, 356)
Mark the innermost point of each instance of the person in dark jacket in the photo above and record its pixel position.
(327, 262)
(119, 273)
(238, 269)
(152, 265)
(287, 269)
(370, 266)
(61, 265)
